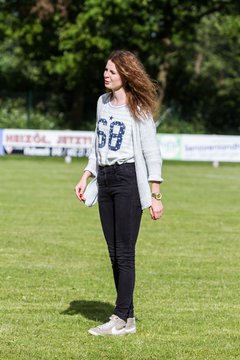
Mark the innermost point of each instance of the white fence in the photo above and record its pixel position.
(214, 148)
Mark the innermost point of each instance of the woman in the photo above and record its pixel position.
(125, 158)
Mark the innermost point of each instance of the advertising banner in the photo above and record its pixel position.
(47, 142)
(200, 147)
(170, 146)
(1, 145)
(211, 148)
(64, 143)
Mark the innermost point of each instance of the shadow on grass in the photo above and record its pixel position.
(93, 310)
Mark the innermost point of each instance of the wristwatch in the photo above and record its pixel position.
(157, 196)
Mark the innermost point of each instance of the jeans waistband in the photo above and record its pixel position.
(116, 165)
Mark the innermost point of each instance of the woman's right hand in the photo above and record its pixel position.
(81, 186)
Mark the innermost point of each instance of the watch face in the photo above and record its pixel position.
(157, 196)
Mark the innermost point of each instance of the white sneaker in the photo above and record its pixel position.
(115, 326)
(130, 327)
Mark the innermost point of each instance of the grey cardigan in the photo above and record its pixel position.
(148, 161)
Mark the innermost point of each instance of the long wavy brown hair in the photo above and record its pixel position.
(140, 90)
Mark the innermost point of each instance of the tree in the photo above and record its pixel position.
(62, 45)
(205, 83)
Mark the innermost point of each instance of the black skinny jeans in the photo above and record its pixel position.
(120, 214)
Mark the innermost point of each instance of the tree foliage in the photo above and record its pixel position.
(61, 46)
(205, 80)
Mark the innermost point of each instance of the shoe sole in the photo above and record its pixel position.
(93, 333)
(120, 333)
(130, 331)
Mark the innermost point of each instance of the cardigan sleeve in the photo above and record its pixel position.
(92, 160)
(151, 150)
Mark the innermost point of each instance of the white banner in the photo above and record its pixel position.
(200, 147)
(170, 146)
(47, 142)
(78, 143)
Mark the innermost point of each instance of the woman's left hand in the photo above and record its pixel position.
(156, 210)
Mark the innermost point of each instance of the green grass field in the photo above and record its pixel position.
(56, 278)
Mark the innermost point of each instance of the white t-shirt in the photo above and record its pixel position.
(114, 132)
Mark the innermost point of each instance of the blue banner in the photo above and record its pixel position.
(1, 145)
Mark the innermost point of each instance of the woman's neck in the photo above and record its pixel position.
(119, 97)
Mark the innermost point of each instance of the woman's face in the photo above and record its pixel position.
(112, 79)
